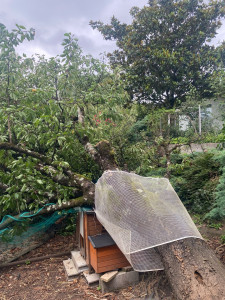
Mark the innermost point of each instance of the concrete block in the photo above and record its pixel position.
(122, 280)
(71, 270)
(109, 276)
(91, 278)
(79, 261)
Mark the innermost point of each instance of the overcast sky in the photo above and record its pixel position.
(52, 18)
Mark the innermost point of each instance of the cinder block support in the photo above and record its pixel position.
(122, 280)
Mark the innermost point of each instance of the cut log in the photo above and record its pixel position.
(193, 270)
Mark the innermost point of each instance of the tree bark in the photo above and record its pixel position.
(193, 270)
(102, 153)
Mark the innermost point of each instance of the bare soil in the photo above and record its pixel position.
(213, 238)
(46, 279)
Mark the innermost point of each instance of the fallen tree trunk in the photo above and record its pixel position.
(193, 270)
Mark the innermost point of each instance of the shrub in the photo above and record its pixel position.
(218, 211)
(195, 180)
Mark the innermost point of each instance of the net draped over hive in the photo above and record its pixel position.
(141, 213)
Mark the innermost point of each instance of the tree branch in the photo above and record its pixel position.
(10, 146)
(71, 179)
(3, 187)
(49, 209)
(74, 180)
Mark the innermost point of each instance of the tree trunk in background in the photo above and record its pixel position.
(193, 270)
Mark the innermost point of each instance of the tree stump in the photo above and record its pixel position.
(193, 270)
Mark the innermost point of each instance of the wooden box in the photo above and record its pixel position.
(88, 224)
(104, 254)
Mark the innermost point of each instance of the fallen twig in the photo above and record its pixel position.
(34, 259)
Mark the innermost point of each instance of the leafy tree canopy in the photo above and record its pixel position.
(51, 110)
(164, 51)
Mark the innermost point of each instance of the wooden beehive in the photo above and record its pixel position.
(88, 224)
(104, 254)
(96, 246)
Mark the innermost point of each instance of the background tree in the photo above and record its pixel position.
(165, 49)
(218, 78)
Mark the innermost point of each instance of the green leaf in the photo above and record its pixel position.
(40, 181)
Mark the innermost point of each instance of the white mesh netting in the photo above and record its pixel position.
(141, 213)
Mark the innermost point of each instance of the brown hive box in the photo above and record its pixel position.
(96, 245)
(104, 254)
